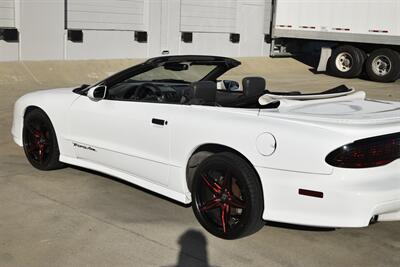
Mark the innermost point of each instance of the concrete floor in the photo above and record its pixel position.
(74, 217)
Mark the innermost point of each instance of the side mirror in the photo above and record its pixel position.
(97, 93)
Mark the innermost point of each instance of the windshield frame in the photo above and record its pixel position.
(222, 65)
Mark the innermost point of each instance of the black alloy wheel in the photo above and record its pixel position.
(40, 142)
(227, 197)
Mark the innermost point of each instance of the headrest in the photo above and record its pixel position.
(204, 92)
(253, 86)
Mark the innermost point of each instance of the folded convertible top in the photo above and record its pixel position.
(339, 91)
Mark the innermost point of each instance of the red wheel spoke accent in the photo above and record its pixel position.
(211, 204)
(218, 186)
(215, 188)
(237, 203)
(33, 131)
(37, 134)
(224, 217)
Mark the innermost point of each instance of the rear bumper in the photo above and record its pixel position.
(351, 197)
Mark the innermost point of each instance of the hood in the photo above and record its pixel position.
(56, 91)
(53, 98)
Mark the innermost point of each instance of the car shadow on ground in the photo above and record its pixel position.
(116, 179)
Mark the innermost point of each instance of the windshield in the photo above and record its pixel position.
(185, 72)
(171, 69)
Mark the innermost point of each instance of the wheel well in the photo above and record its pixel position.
(205, 151)
(30, 109)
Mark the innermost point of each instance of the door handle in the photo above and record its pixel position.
(159, 121)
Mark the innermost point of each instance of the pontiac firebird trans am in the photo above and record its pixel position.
(240, 154)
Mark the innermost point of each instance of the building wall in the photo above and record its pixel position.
(41, 27)
(8, 51)
(7, 15)
(106, 15)
(108, 28)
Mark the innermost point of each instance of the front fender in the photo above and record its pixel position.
(56, 104)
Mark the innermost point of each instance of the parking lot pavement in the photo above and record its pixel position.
(75, 217)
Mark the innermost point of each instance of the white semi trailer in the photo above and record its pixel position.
(354, 36)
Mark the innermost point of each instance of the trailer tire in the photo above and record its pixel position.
(346, 61)
(364, 57)
(383, 65)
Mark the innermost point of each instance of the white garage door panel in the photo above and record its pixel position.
(204, 25)
(7, 13)
(107, 18)
(208, 16)
(106, 14)
(121, 8)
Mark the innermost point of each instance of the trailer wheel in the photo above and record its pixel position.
(364, 58)
(383, 65)
(346, 61)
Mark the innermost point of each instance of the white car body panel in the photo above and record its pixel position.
(118, 138)
(125, 137)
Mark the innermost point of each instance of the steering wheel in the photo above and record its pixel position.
(143, 89)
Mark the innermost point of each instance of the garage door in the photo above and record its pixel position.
(105, 14)
(7, 13)
(208, 16)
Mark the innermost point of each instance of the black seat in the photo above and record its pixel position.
(253, 86)
(201, 93)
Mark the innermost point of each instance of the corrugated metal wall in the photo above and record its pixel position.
(108, 28)
(208, 16)
(106, 14)
(7, 13)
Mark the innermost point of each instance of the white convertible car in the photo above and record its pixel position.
(239, 154)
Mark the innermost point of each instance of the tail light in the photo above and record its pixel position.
(367, 153)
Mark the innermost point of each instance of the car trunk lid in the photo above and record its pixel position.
(351, 109)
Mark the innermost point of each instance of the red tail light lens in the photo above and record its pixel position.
(367, 153)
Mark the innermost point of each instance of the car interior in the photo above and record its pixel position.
(197, 93)
(202, 93)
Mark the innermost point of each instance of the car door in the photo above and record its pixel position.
(114, 125)
(132, 137)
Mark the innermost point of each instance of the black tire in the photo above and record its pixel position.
(346, 61)
(40, 141)
(227, 198)
(364, 57)
(383, 65)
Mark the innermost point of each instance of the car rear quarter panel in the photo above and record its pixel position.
(301, 146)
